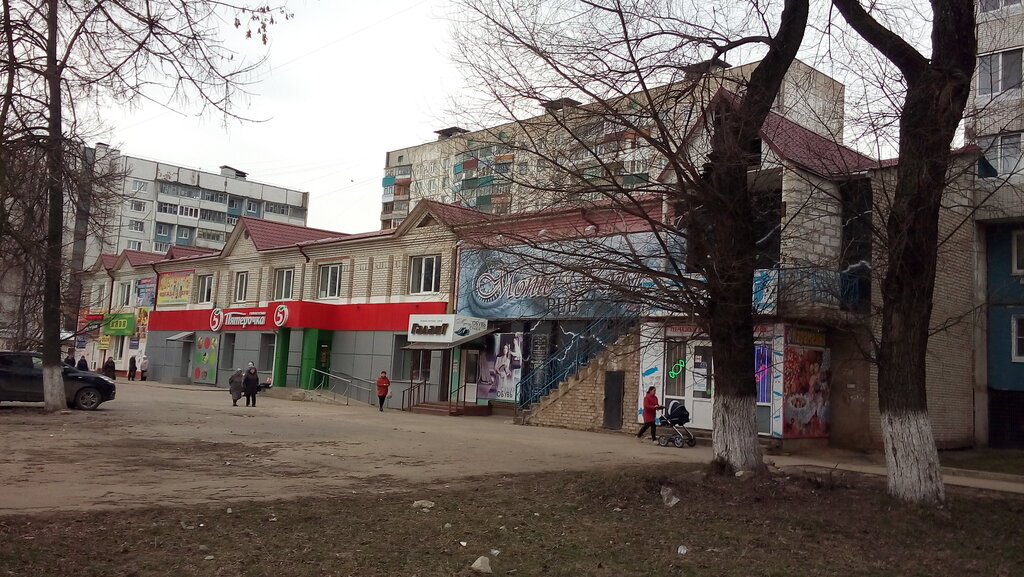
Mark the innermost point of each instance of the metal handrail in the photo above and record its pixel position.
(413, 394)
(584, 346)
(348, 383)
(460, 403)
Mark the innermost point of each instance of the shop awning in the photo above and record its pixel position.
(444, 346)
(187, 336)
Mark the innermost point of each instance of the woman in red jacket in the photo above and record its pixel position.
(382, 388)
(651, 407)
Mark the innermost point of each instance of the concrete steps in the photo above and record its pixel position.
(442, 408)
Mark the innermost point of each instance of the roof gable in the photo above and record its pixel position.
(269, 235)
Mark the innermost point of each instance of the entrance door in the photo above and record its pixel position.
(614, 389)
(186, 360)
(470, 370)
(700, 384)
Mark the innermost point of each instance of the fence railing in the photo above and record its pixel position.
(343, 386)
(567, 361)
(416, 394)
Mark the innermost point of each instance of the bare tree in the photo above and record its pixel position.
(651, 71)
(937, 88)
(61, 52)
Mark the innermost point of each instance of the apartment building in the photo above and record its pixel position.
(520, 166)
(995, 123)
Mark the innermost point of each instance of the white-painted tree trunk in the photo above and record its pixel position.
(912, 461)
(53, 388)
(734, 433)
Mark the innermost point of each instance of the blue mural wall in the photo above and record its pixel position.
(1005, 295)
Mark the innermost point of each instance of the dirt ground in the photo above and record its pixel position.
(166, 445)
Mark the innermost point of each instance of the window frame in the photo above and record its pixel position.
(241, 286)
(188, 211)
(252, 206)
(204, 289)
(137, 205)
(137, 225)
(289, 273)
(184, 233)
(140, 185)
(163, 226)
(417, 278)
(993, 66)
(124, 294)
(1017, 338)
(134, 245)
(323, 293)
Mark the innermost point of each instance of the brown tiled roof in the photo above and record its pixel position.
(178, 251)
(455, 215)
(817, 153)
(108, 260)
(268, 235)
(137, 257)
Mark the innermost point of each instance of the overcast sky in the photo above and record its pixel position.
(346, 82)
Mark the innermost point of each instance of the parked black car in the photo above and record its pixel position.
(21, 379)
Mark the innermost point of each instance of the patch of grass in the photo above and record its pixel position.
(992, 460)
(612, 523)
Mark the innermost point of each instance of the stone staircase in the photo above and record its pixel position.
(453, 410)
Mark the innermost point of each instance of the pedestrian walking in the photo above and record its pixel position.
(109, 370)
(651, 407)
(143, 367)
(235, 386)
(70, 359)
(383, 384)
(251, 385)
(83, 365)
(132, 368)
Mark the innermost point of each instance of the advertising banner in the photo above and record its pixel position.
(174, 288)
(500, 368)
(806, 382)
(119, 324)
(443, 328)
(145, 292)
(204, 358)
(142, 322)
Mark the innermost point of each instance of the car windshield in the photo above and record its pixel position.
(37, 363)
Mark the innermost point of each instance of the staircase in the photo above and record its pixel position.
(451, 409)
(573, 358)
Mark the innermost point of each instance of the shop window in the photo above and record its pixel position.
(425, 274)
(241, 286)
(702, 372)
(416, 366)
(1018, 338)
(205, 292)
(283, 283)
(117, 346)
(675, 362)
(330, 281)
(227, 351)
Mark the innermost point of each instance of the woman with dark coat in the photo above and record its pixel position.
(132, 367)
(251, 384)
(235, 386)
(83, 365)
(109, 369)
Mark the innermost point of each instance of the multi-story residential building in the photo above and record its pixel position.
(518, 166)
(995, 123)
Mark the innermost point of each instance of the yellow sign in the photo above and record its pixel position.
(104, 342)
(174, 288)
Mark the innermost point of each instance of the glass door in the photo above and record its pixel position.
(471, 364)
(700, 384)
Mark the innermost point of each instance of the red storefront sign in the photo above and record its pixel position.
(299, 314)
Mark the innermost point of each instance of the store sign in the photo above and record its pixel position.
(145, 292)
(444, 328)
(243, 319)
(805, 337)
(174, 288)
(119, 324)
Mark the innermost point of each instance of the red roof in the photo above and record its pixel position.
(108, 260)
(815, 152)
(455, 215)
(178, 251)
(137, 257)
(268, 235)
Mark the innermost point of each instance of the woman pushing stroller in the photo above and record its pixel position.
(650, 413)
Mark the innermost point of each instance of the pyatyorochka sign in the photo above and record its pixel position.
(248, 319)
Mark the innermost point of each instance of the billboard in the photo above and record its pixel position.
(145, 292)
(119, 324)
(174, 288)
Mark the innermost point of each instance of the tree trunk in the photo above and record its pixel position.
(53, 383)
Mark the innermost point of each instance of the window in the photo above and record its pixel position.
(214, 196)
(276, 208)
(241, 286)
(99, 293)
(387, 207)
(235, 203)
(137, 206)
(189, 211)
(124, 294)
(137, 225)
(252, 206)
(999, 72)
(212, 215)
(207, 234)
(117, 346)
(232, 220)
(283, 284)
(184, 233)
(181, 190)
(135, 245)
(1018, 338)
(167, 208)
(425, 274)
(992, 5)
(330, 280)
(163, 229)
(205, 292)
(140, 186)
(161, 246)
(1001, 155)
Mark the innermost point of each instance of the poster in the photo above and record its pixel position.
(204, 358)
(500, 368)
(141, 322)
(174, 288)
(145, 292)
(806, 392)
(122, 324)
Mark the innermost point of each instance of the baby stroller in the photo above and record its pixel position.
(676, 416)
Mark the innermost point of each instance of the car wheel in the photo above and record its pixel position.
(88, 399)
